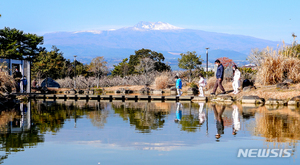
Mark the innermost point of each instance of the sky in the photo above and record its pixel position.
(274, 20)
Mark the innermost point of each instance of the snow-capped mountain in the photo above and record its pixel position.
(154, 26)
(158, 36)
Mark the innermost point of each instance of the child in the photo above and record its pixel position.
(236, 79)
(202, 84)
(178, 112)
(178, 85)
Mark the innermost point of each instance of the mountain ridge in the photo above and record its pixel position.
(159, 37)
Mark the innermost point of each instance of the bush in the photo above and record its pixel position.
(109, 81)
(193, 85)
(247, 73)
(6, 81)
(211, 82)
(161, 82)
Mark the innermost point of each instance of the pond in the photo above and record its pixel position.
(41, 132)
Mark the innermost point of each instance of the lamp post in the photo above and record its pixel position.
(75, 72)
(206, 63)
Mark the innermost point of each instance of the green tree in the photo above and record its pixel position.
(158, 58)
(121, 69)
(48, 64)
(18, 45)
(189, 61)
(98, 67)
(81, 69)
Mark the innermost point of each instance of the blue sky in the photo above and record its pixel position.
(267, 19)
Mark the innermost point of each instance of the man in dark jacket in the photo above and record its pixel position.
(220, 76)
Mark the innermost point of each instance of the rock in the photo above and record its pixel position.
(288, 81)
(223, 98)
(72, 92)
(296, 98)
(272, 101)
(91, 92)
(145, 90)
(192, 91)
(247, 83)
(195, 99)
(294, 101)
(252, 100)
(157, 92)
(249, 88)
(282, 85)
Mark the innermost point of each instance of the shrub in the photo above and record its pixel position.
(161, 82)
(6, 81)
(247, 73)
(211, 82)
(193, 85)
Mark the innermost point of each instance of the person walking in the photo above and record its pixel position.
(202, 84)
(178, 85)
(236, 79)
(220, 76)
(24, 83)
(17, 75)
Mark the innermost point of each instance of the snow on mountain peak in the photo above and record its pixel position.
(155, 26)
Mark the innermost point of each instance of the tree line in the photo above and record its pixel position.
(16, 44)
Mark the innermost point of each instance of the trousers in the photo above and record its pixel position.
(218, 84)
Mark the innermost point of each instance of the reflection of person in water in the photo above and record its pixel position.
(178, 112)
(236, 126)
(202, 116)
(219, 123)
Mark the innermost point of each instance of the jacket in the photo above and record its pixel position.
(220, 72)
(237, 75)
(178, 84)
(202, 82)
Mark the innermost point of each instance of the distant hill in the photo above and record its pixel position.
(160, 37)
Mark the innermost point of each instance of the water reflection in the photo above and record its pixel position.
(145, 125)
(144, 116)
(219, 119)
(281, 125)
(236, 126)
(17, 132)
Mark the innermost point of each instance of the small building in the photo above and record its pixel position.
(23, 66)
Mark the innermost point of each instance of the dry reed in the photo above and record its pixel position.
(275, 69)
(161, 82)
(6, 81)
(275, 66)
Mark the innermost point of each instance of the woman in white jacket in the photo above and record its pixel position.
(236, 79)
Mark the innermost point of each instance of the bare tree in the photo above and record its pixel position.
(145, 66)
(98, 67)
